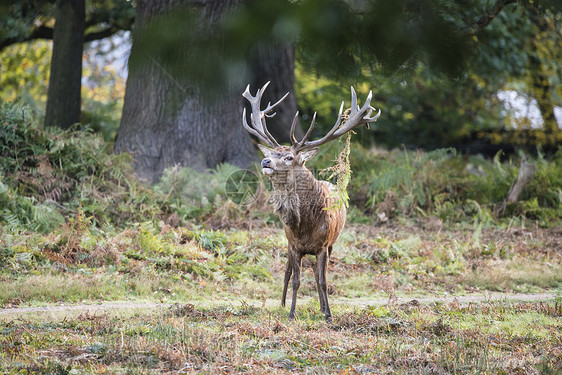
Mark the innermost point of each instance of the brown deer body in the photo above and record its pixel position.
(306, 206)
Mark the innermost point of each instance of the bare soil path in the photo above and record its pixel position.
(122, 305)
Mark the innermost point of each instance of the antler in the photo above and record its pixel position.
(257, 117)
(357, 116)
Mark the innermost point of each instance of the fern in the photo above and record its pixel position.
(497, 163)
(11, 219)
(342, 172)
(71, 168)
(45, 218)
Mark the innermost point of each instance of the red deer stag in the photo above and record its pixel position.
(304, 204)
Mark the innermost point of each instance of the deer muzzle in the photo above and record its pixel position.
(266, 167)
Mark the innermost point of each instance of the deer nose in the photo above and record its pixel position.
(265, 163)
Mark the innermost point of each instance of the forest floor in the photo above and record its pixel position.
(501, 333)
(406, 298)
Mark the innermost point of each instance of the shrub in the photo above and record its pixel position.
(193, 194)
(451, 186)
(47, 174)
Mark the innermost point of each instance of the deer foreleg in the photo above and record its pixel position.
(322, 265)
(296, 262)
(288, 273)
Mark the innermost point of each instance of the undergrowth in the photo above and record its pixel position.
(46, 175)
(77, 226)
(454, 188)
(195, 195)
(410, 338)
(49, 176)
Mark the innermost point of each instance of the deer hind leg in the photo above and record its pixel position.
(288, 273)
(296, 263)
(320, 299)
(321, 268)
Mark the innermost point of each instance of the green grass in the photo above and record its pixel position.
(177, 264)
(491, 338)
(518, 274)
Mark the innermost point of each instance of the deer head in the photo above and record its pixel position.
(280, 159)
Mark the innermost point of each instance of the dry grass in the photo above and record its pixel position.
(409, 338)
(218, 333)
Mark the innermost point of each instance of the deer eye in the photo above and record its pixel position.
(289, 158)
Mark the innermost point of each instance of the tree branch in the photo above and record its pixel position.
(101, 34)
(486, 18)
(43, 32)
(526, 173)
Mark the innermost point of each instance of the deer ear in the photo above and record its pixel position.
(266, 151)
(308, 154)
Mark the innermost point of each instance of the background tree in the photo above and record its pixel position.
(172, 113)
(436, 67)
(429, 107)
(544, 69)
(69, 23)
(187, 73)
(63, 101)
(28, 20)
(24, 74)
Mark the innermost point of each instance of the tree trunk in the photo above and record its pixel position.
(167, 121)
(63, 99)
(543, 90)
(542, 85)
(275, 62)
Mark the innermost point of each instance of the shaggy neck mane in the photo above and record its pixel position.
(296, 196)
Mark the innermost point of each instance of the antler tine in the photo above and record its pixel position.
(270, 107)
(257, 117)
(292, 132)
(299, 145)
(303, 144)
(251, 130)
(354, 99)
(266, 131)
(357, 116)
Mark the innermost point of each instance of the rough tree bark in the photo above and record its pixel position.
(275, 62)
(166, 122)
(63, 100)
